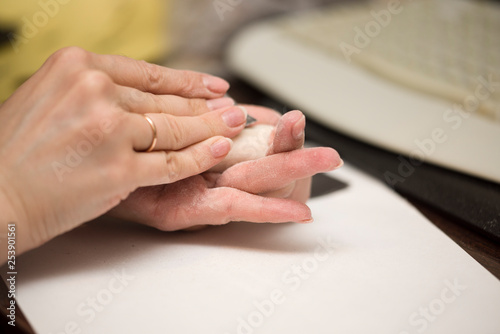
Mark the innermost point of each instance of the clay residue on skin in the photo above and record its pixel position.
(251, 144)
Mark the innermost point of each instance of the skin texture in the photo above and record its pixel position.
(270, 189)
(71, 138)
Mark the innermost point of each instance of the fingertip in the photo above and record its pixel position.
(234, 117)
(290, 133)
(215, 84)
(294, 115)
(245, 111)
(337, 161)
(298, 128)
(330, 157)
(221, 147)
(306, 215)
(219, 103)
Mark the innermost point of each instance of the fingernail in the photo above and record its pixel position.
(221, 147)
(307, 221)
(215, 84)
(341, 163)
(234, 117)
(272, 135)
(298, 129)
(220, 103)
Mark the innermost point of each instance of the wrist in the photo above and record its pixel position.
(14, 228)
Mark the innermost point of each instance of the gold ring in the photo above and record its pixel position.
(155, 138)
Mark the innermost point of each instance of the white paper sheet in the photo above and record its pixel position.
(370, 263)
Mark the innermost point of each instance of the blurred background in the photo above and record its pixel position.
(187, 34)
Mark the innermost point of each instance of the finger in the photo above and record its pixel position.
(289, 133)
(158, 79)
(220, 206)
(228, 204)
(263, 115)
(177, 132)
(299, 191)
(278, 170)
(284, 192)
(133, 100)
(302, 190)
(166, 210)
(164, 167)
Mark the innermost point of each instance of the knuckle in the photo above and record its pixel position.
(212, 124)
(199, 165)
(94, 82)
(69, 56)
(227, 214)
(153, 76)
(173, 167)
(175, 136)
(135, 97)
(150, 98)
(114, 122)
(188, 82)
(197, 106)
(104, 123)
(162, 104)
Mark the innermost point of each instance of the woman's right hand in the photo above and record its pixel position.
(72, 138)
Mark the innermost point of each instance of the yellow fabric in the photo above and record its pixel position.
(135, 28)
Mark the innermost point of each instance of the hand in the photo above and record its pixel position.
(259, 176)
(270, 189)
(72, 138)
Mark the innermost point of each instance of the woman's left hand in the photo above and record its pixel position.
(271, 189)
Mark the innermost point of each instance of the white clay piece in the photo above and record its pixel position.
(251, 144)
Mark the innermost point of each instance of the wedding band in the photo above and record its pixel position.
(155, 138)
